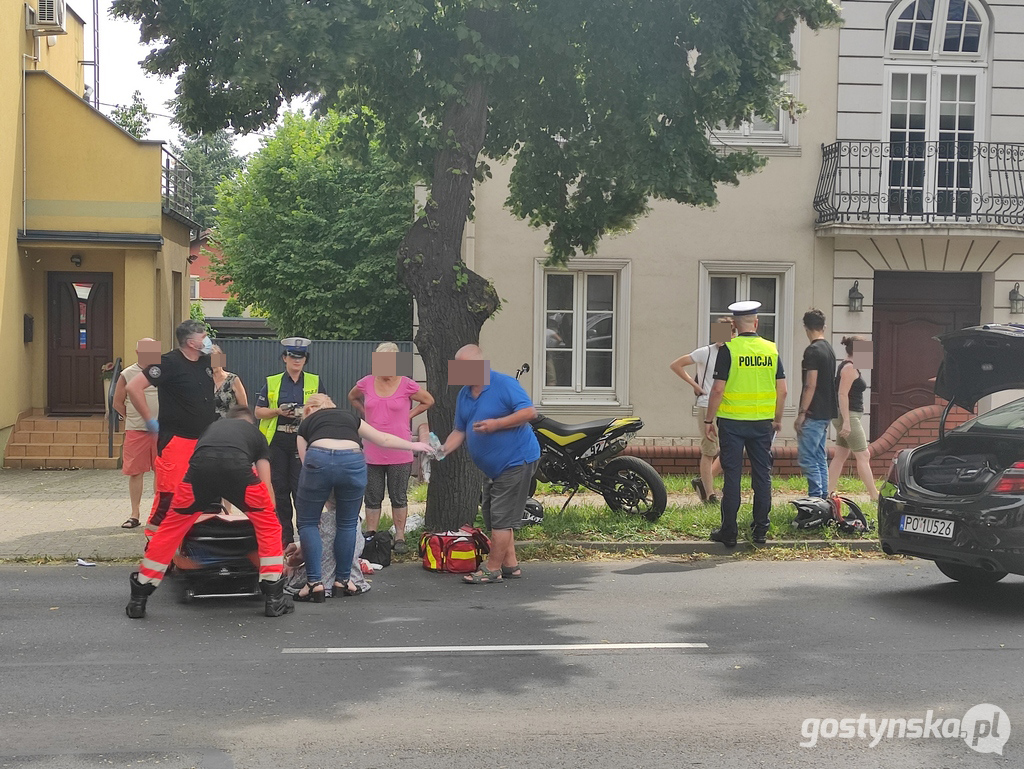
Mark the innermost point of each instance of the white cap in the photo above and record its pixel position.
(744, 308)
(295, 346)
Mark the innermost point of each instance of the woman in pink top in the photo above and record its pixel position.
(385, 401)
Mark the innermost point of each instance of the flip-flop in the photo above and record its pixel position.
(131, 523)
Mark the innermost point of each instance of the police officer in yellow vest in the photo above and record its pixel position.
(747, 399)
(279, 408)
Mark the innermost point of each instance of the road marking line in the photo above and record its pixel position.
(497, 648)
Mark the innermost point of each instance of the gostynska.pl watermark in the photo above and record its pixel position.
(985, 728)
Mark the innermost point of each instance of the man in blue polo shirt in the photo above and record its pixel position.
(492, 416)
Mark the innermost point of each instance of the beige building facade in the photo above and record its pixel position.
(94, 227)
(903, 182)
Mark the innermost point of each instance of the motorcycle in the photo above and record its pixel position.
(585, 456)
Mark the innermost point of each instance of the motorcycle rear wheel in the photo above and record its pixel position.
(634, 487)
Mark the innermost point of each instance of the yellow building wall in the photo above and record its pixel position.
(84, 175)
(62, 55)
(114, 187)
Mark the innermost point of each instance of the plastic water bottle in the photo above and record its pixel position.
(435, 444)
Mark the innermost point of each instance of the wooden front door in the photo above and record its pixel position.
(910, 310)
(80, 332)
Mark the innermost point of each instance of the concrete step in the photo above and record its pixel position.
(94, 424)
(63, 463)
(37, 436)
(59, 450)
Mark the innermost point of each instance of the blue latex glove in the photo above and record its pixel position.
(152, 425)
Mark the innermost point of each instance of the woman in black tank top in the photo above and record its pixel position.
(330, 447)
(849, 426)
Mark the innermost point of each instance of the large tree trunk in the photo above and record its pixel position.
(452, 302)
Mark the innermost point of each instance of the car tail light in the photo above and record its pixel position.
(892, 476)
(1012, 480)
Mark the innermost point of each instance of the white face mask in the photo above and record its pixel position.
(207, 346)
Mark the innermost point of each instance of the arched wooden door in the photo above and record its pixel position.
(80, 339)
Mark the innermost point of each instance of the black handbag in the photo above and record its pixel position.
(378, 547)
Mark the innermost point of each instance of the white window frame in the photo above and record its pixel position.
(193, 289)
(935, 52)
(786, 140)
(935, 71)
(618, 395)
(785, 310)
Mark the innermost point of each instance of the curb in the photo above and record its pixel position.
(661, 547)
(693, 547)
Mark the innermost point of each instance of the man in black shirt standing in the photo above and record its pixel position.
(222, 467)
(184, 382)
(818, 404)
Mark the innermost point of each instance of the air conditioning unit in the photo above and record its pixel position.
(47, 18)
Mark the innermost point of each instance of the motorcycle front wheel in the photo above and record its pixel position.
(633, 486)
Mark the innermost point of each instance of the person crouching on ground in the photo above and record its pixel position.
(492, 416)
(330, 445)
(221, 467)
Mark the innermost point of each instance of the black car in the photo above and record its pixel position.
(960, 500)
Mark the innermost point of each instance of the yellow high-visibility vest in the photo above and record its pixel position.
(310, 386)
(750, 390)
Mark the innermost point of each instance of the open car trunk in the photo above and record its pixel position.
(963, 465)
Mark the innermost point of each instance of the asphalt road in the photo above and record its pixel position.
(214, 684)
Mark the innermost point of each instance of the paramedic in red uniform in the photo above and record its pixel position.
(184, 382)
(221, 468)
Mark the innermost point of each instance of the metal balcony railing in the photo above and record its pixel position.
(176, 187)
(918, 182)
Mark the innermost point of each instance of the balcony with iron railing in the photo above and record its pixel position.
(890, 185)
(176, 188)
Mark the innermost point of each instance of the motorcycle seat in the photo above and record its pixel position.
(588, 429)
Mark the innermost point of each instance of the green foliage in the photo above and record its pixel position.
(195, 312)
(604, 104)
(310, 236)
(133, 118)
(211, 157)
(233, 308)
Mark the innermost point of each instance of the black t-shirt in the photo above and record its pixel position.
(819, 357)
(231, 438)
(337, 424)
(185, 390)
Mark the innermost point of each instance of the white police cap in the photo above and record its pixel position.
(744, 308)
(296, 346)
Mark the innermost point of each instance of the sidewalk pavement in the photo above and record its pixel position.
(78, 514)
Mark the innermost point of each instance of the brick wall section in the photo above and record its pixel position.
(912, 429)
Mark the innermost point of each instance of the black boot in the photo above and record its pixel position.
(277, 602)
(136, 608)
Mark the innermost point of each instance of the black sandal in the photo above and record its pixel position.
(312, 594)
(131, 523)
(346, 589)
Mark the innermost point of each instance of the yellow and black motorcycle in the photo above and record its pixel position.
(586, 456)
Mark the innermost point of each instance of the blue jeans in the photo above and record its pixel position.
(324, 471)
(734, 435)
(813, 457)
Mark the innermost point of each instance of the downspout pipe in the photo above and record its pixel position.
(25, 58)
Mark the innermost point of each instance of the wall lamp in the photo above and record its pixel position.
(76, 259)
(856, 298)
(1016, 300)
